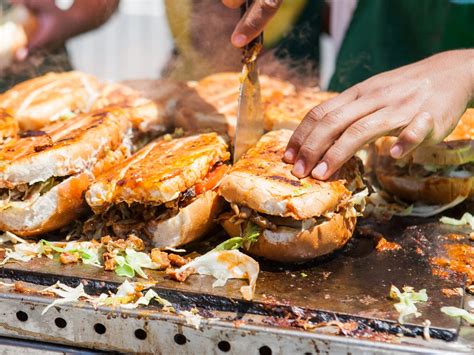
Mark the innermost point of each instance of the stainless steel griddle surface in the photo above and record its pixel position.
(351, 284)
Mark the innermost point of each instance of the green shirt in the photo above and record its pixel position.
(386, 34)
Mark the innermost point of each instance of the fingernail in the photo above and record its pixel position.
(239, 40)
(21, 54)
(396, 151)
(320, 170)
(289, 154)
(298, 169)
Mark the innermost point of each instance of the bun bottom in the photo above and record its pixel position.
(52, 210)
(293, 245)
(190, 224)
(59, 206)
(438, 190)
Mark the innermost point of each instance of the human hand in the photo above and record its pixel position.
(55, 26)
(254, 20)
(421, 103)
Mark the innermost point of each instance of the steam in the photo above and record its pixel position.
(39, 63)
(211, 25)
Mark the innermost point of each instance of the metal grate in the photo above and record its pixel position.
(152, 331)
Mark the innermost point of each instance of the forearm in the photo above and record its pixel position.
(86, 15)
(421, 103)
(470, 69)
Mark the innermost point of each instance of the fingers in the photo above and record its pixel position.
(413, 135)
(315, 115)
(328, 130)
(254, 20)
(233, 4)
(357, 135)
(37, 5)
(45, 36)
(21, 54)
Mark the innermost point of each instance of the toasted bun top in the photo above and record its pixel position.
(456, 149)
(263, 182)
(227, 84)
(42, 100)
(147, 115)
(64, 148)
(115, 94)
(290, 111)
(8, 126)
(159, 172)
(214, 99)
(464, 128)
(159, 90)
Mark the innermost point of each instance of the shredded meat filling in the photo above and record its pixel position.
(24, 192)
(243, 215)
(161, 258)
(123, 220)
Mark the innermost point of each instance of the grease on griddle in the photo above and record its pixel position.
(382, 244)
(335, 327)
(450, 292)
(459, 260)
(455, 236)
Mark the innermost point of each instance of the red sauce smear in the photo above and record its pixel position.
(460, 259)
(384, 245)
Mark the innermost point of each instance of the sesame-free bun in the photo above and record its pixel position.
(287, 244)
(71, 153)
(400, 178)
(261, 181)
(189, 224)
(38, 102)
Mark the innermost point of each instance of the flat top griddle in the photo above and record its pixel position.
(352, 284)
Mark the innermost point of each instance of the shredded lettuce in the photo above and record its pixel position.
(88, 255)
(459, 312)
(428, 211)
(175, 250)
(10, 237)
(6, 284)
(408, 300)
(67, 294)
(359, 197)
(167, 305)
(126, 296)
(143, 300)
(11, 255)
(230, 244)
(138, 261)
(128, 262)
(466, 218)
(224, 265)
(22, 252)
(123, 268)
(379, 207)
(305, 187)
(250, 236)
(57, 249)
(192, 318)
(456, 171)
(133, 262)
